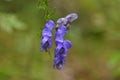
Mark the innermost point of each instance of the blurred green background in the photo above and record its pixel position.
(95, 35)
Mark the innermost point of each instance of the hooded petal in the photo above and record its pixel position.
(67, 44)
(59, 62)
(61, 31)
(46, 32)
(61, 22)
(71, 17)
(45, 43)
(49, 25)
(57, 49)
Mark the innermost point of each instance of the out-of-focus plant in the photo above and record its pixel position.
(43, 5)
(114, 64)
(8, 22)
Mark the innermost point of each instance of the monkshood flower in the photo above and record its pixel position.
(61, 31)
(61, 22)
(62, 47)
(66, 20)
(61, 53)
(46, 42)
(71, 17)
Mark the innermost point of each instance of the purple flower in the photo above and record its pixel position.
(61, 22)
(61, 31)
(46, 36)
(61, 53)
(62, 47)
(71, 17)
(66, 20)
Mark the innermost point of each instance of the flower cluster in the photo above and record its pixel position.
(62, 46)
(46, 36)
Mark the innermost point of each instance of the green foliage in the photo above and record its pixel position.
(4, 76)
(114, 59)
(43, 5)
(9, 22)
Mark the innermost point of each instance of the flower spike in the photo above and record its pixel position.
(46, 42)
(62, 47)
